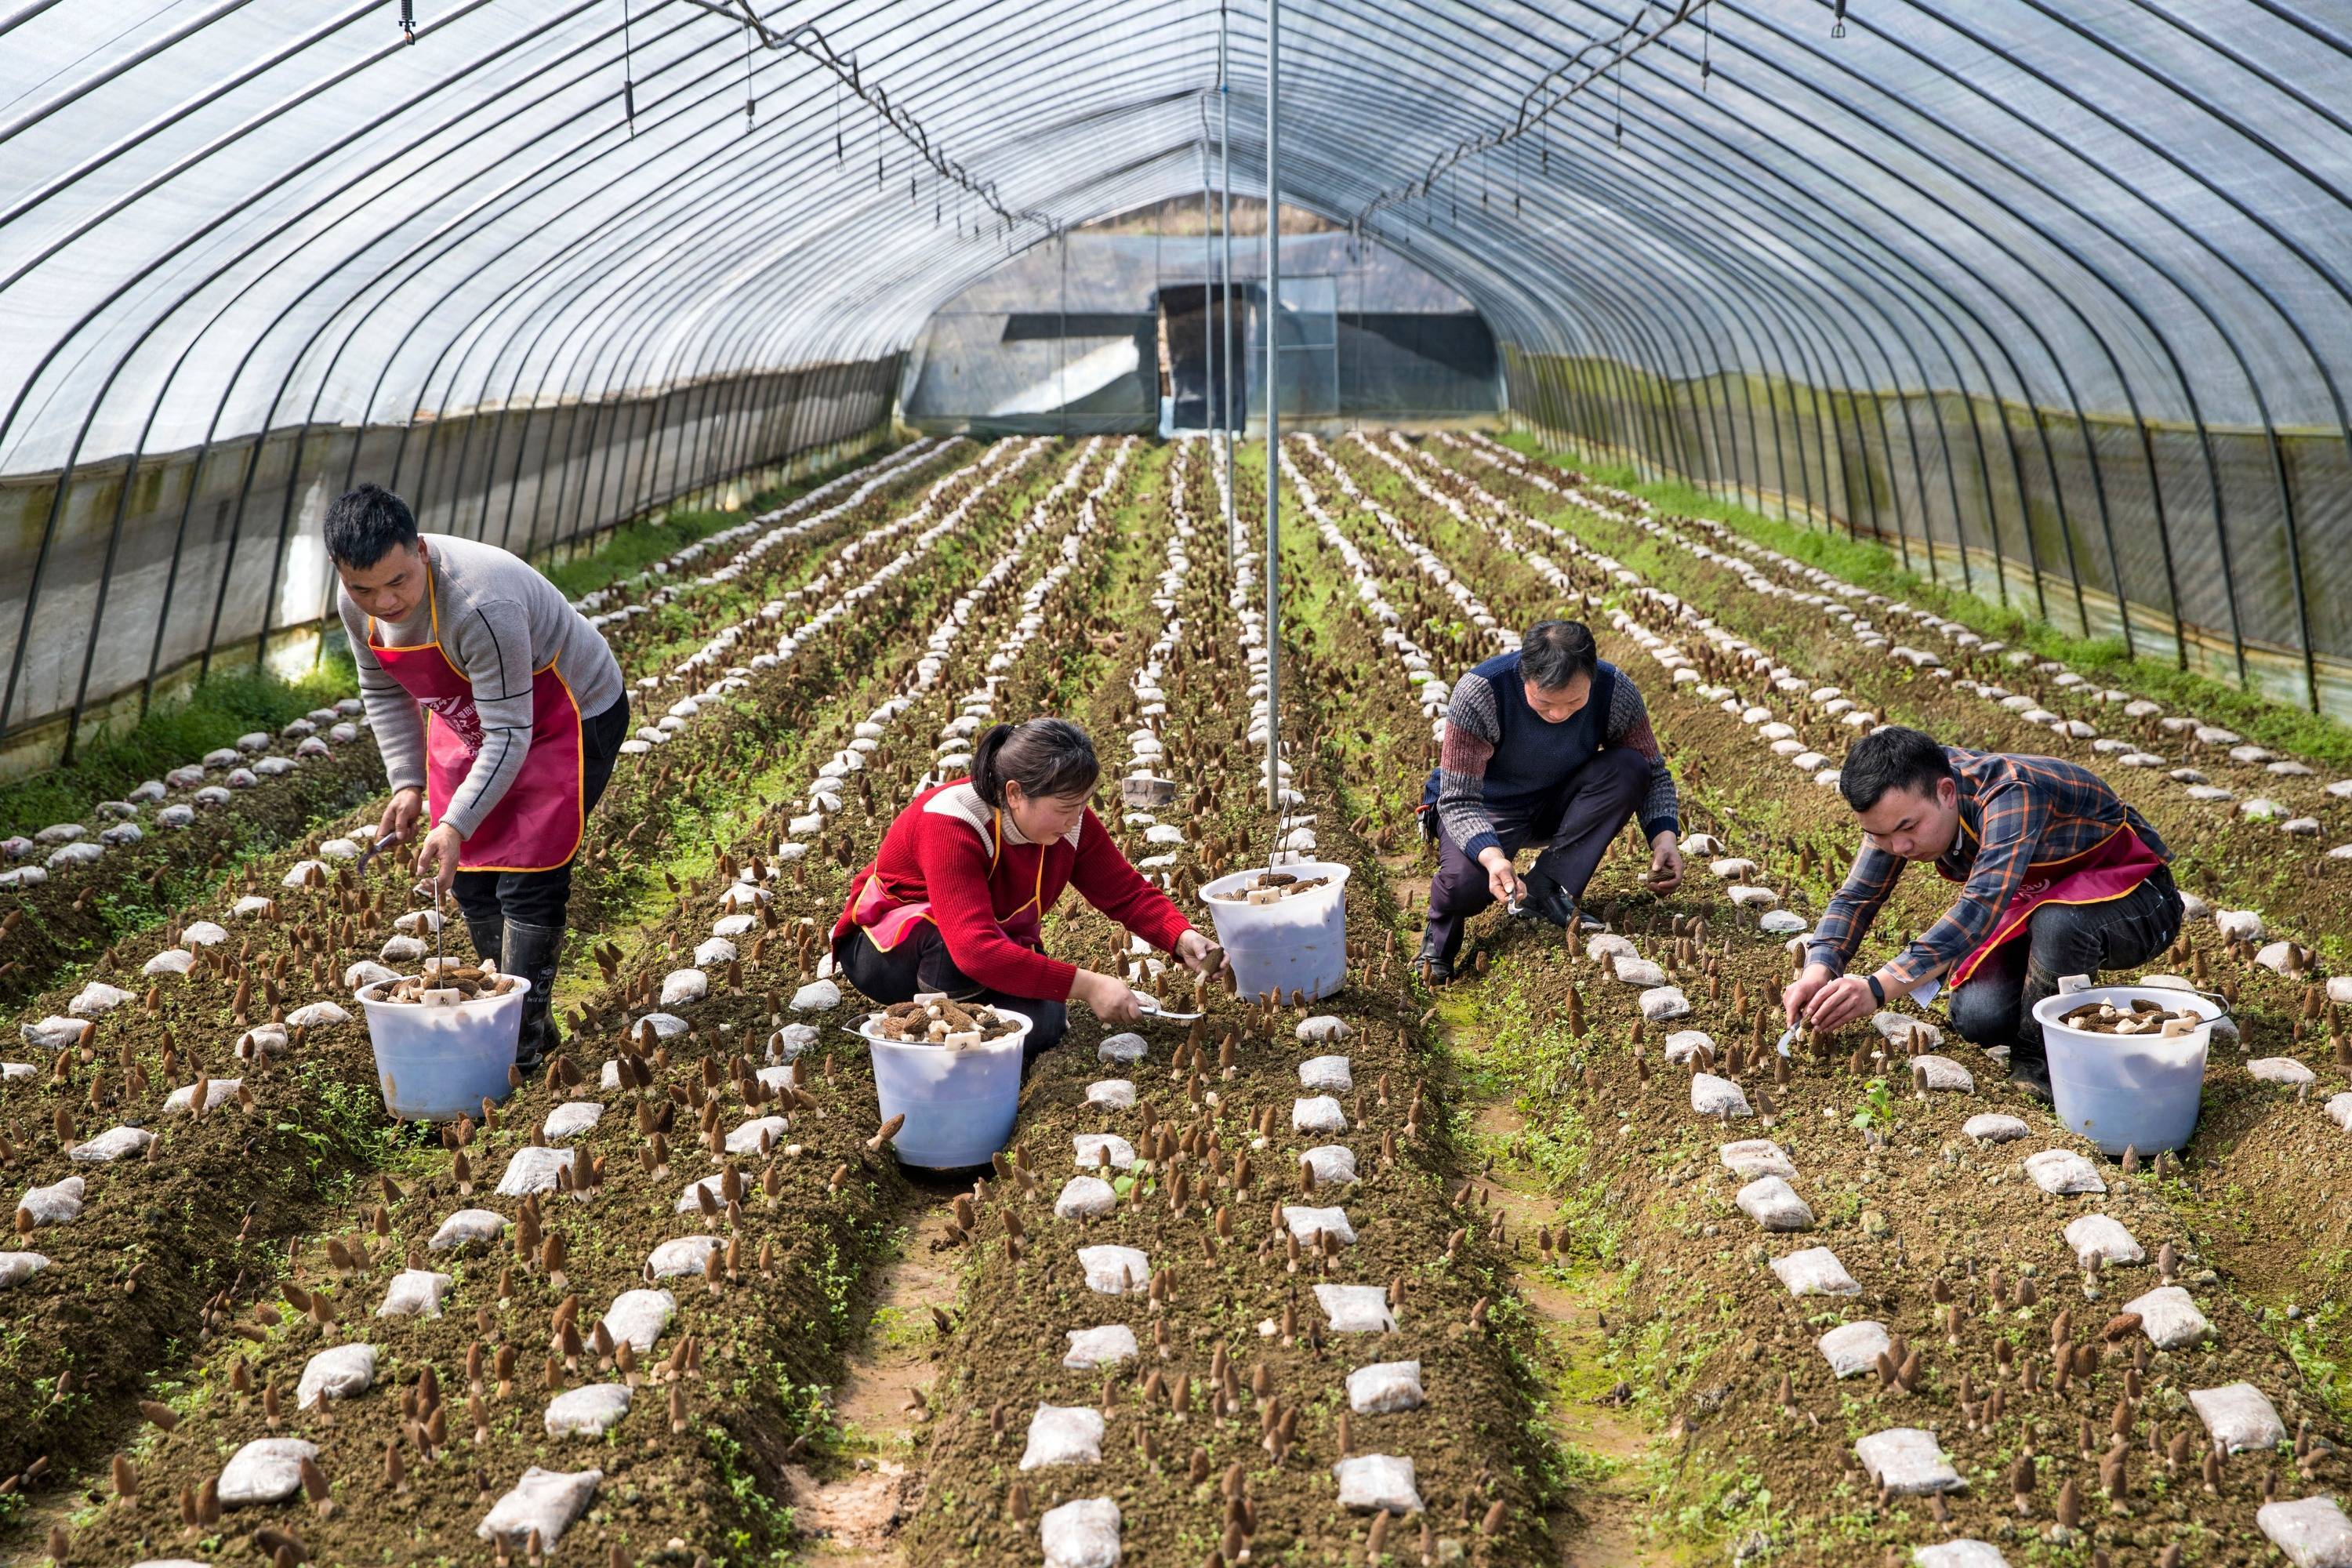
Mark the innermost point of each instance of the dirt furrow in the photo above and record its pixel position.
(273, 1174)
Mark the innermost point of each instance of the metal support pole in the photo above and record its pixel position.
(1273, 408)
(1225, 283)
(1208, 287)
(1062, 373)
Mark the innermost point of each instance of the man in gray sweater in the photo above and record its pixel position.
(495, 703)
(1548, 745)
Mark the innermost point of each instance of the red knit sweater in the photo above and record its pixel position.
(936, 852)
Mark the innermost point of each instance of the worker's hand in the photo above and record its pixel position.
(400, 815)
(1802, 991)
(437, 858)
(1501, 880)
(1839, 1002)
(1194, 951)
(1112, 999)
(1665, 863)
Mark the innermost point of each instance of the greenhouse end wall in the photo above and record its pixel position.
(143, 576)
(2222, 549)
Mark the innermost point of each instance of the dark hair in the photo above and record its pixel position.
(1891, 758)
(364, 524)
(1048, 757)
(1554, 653)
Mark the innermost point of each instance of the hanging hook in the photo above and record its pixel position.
(1837, 27)
(408, 21)
(1621, 96)
(628, 87)
(1706, 50)
(750, 101)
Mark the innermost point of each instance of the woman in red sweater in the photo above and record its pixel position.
(955, 899)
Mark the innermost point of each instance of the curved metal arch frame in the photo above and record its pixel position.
(2025, 392)
(1431, 228)
(2024, 388)
(710, 370)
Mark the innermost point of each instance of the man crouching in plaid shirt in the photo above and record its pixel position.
(2058, 876)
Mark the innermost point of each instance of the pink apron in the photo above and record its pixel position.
(886, 924)
(2107, 871)
(536, 824)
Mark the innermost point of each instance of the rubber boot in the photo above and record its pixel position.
(1437, 955)
(531, 952)
(487, 935)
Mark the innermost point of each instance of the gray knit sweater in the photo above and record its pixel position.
(1474, 728)
(502, 623)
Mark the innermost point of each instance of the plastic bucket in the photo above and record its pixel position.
(1292, 945)
(958, 1105)
(2120, 1092)
(438, 1063)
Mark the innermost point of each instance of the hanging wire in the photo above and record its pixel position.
(628, 84)
(838, 154)
(751, 102)
(1596, 64)
(1621, 98)
(1706, 50)
(408, 21)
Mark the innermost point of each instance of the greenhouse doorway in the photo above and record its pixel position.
(1308, 336)
(1194, 331)
(1310, 339)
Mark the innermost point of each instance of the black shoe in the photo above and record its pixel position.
(1545, 901)
(1436, 963)
(2032, 1074)
(531, 952)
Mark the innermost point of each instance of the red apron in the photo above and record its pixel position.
(886, 924)
(2107, 871)
(536, 824)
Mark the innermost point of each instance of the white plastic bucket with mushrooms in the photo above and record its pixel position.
(439, 1055)
(959, 1092)
(1286, 929)
(2127, 1062)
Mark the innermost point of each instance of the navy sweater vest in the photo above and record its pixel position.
(1532, 758)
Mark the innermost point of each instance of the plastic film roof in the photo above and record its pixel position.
(220, 215)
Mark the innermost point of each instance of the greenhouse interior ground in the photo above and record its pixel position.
(622, 1167)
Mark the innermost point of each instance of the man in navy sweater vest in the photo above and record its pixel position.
(1547, 745)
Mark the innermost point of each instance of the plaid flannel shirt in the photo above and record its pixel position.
(2016, 811)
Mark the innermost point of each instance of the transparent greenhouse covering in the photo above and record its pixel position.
(2089, 262)
(218, 215)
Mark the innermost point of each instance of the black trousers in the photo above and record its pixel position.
(1995, 1005)
(538, 898)
(1575, 826)
(920, 963)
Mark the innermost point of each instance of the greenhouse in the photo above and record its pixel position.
(1108, 783)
